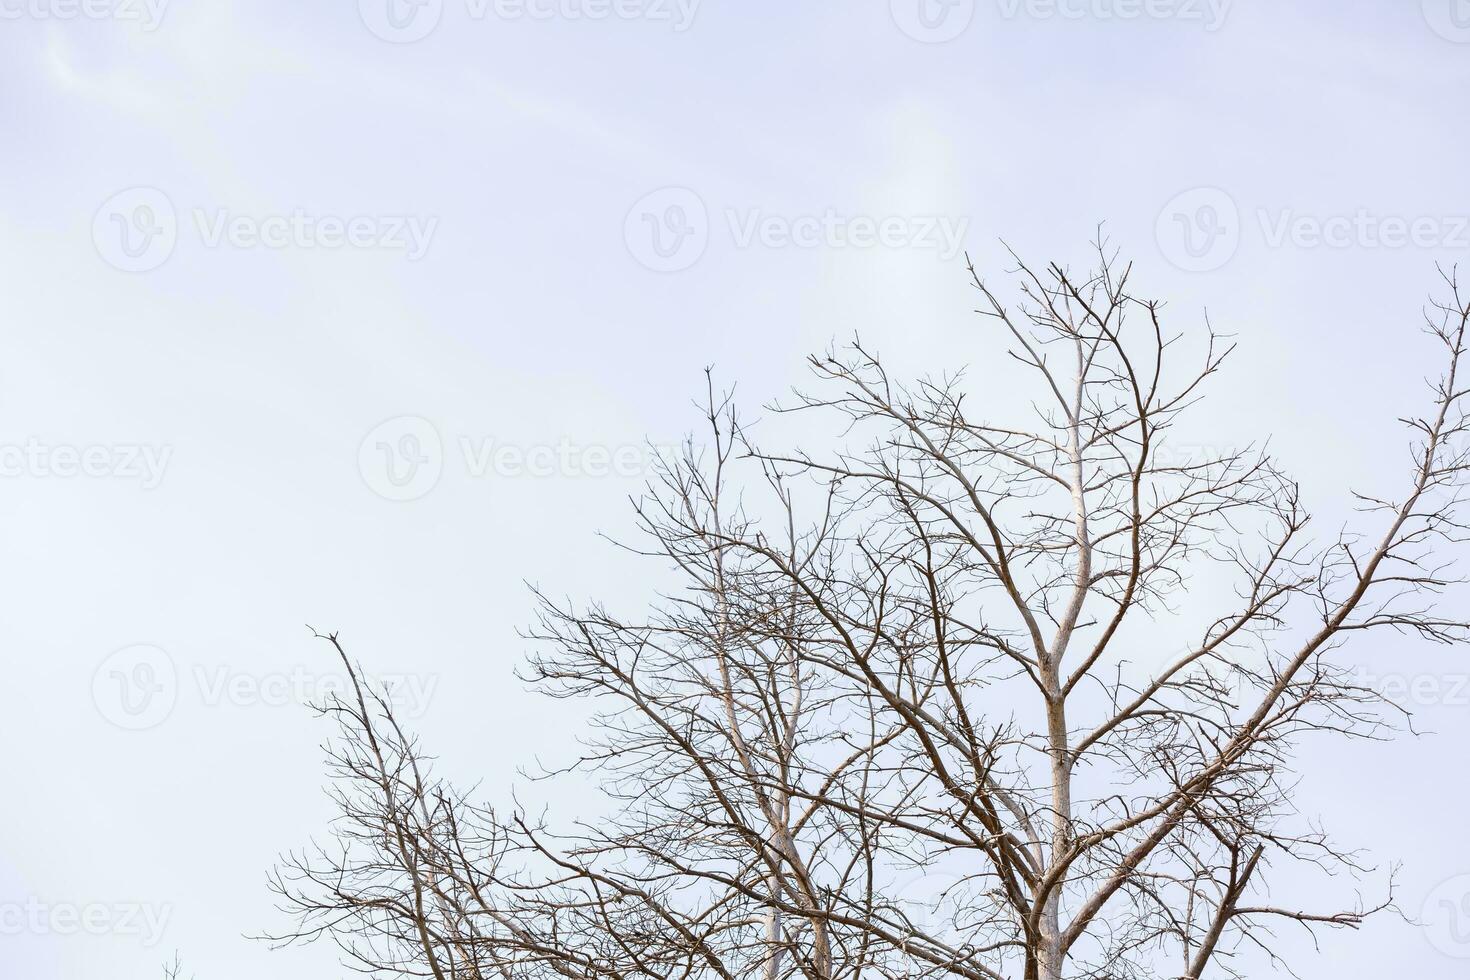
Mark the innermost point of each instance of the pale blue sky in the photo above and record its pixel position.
(251, 375)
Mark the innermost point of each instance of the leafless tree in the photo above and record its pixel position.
(917, 707)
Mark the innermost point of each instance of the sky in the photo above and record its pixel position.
(363, 315)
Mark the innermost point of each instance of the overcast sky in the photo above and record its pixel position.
(359, 315)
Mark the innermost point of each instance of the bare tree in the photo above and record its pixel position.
(904, 715)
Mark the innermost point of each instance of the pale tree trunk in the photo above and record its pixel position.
(1051, 956)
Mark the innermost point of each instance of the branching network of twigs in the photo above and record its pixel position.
(894, 722)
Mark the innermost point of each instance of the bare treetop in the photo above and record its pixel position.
(907, 715)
